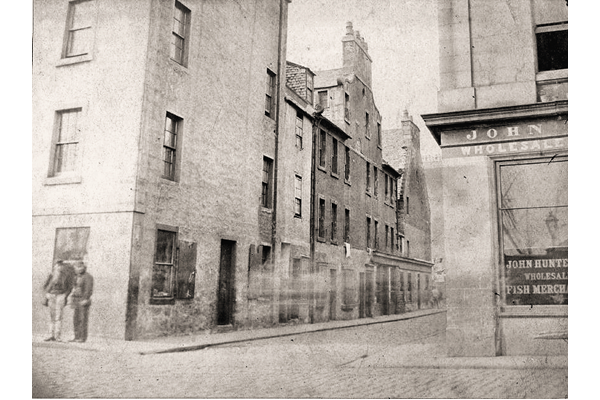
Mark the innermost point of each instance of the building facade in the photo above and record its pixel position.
(202, 178)
(502, 127)
(155, 157)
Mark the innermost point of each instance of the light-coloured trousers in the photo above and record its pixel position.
(56, 304)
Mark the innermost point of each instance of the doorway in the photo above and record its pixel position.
(332, 293)
(226, 294)
(361, 295)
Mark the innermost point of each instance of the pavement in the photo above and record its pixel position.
(432, 355)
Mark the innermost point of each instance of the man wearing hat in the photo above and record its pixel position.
(80, 301)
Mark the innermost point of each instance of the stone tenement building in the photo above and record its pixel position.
(175, 161)
(155, 126)
(502, 127)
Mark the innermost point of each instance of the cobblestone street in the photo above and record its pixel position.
(357, 362)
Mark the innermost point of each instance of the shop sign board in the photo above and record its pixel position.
(548, 135)
(536, 280)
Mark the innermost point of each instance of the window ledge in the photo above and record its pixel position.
(62, 180)
(334, 242)
(347, 121)
(74, 60)
(348, 307)
(297, 216)
(321, 239)
(347, 182)
(162, 301)
(551, 75)
(266, 210)
(321, 168)
(178, 65)
(368, 137)
(368, 193)
(334, 175)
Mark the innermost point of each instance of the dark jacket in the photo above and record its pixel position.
(61, 285)
(83, 288)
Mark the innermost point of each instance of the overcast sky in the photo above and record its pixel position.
(403, 44)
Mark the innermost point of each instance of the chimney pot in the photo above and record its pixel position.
(349, 30)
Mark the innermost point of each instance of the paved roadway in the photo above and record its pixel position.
(344, 363)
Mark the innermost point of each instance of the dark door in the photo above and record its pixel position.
(332, 293)
(419, 291)
(226, 295)
(361, 295)
(296, 289)
(383, 278)
(369, 293)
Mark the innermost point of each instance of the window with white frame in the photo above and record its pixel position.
(270, 93)
(65, 156)
(80, 34)
(298, 197)
(323, 97)
(180, 33)
(299, 128)
(170, 144)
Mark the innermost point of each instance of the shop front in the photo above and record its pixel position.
(505, 188)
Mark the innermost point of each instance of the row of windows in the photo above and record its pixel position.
(373, 241)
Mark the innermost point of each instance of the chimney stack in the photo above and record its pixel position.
(356, 56)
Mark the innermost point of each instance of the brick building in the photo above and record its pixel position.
(502, 127)
(155, 158)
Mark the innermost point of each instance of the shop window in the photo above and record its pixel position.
(533, 215)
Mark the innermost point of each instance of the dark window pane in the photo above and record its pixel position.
(165, 241)
(552, 50)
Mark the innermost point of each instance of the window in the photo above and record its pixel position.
(350, 292)
(323, 98)
(409, 286)
(347, 225)
(552, 46)
(407, 248)
(79, 35)
(346, 106)
(379, 134)
(66, 148)
(169, 153)
(392, 238)
(407, 209)
(71, 244)
(298, 197)
(164, 264)
(270, 92)
(392, 191)
(367, 132)
(180, 33)
(322, 218)
(368, 177)
(387, 193)
(368, 232)
(387, 231)
(334, 222)
(309, 88)
(376, 181)
(266, 182)
(347, 164)
(533, 215)
(400, 244)
(376, 229)
(299, 128)
(323, 149)
(334, 156)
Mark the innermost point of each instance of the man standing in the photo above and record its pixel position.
(57, 288)
(81, 301)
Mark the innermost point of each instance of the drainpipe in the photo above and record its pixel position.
(280, 50)
(313, 188)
